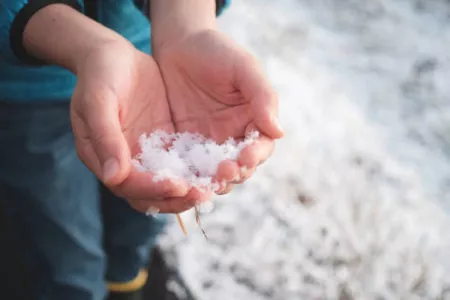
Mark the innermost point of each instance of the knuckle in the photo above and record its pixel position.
(138, 205)
(167, 189)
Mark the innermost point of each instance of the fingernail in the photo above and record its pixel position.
(277, 124)
(110, 169)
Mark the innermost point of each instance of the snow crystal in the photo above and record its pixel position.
(189, 156)
(152, 211)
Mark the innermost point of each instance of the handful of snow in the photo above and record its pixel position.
(188, 156)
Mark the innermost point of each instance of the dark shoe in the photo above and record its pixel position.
(164, 282)
(131, 290)
(136, 295)
(14, 281)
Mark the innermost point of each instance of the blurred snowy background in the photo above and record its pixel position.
(355, 202)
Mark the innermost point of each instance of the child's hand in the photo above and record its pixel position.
(216, 88)
(120, 95)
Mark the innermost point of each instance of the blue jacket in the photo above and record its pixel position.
(22, 82)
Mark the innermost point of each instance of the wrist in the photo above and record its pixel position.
(175, 20)
(105, 49)
(58, 34)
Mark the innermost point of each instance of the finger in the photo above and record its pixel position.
(246, 173)
(228, 188)
(170, 205)
(101, 114)
(195, 197)
(87, 155)
(255, 88)
(198, 195)
(141, 185)
(221, 186)
(227, 171)
(256, 153)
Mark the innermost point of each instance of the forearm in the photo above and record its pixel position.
(174, 19)
(61, 35)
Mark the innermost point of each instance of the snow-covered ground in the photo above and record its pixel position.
(355, 202)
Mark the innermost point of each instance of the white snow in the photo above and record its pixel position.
(188, 156)
(354, 202)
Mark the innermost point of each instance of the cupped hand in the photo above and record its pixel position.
(120, 95)
(216, 88)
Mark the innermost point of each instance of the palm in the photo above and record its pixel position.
(202, 97)
(141, 103)
(143, 107)
(217, 89)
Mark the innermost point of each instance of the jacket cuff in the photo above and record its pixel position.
(221, 5)
(143, 5)
(20, 21)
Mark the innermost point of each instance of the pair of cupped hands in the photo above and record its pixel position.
(203, 83)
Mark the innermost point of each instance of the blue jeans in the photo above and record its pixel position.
(73, 232)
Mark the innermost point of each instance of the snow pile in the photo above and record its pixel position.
(330, 216)
(309, 239)
(350, 206)
(188, 156)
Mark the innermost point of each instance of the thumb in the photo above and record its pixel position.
(255, 87)
(105, 132)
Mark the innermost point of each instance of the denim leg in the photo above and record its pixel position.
(129, 237)
(53, 202)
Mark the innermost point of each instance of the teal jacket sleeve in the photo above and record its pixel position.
(14, 15)
(8, 11)
(222, 5)
(143, 6)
